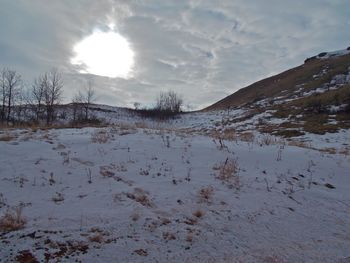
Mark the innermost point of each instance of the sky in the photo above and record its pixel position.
(203, 50)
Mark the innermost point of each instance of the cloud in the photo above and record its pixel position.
(202, 49)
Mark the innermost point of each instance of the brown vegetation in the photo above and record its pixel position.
(12, 220)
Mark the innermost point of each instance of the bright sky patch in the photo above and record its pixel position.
(104, 54)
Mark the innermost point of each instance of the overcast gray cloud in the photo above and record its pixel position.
(202, 49)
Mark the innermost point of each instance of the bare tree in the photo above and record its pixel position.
(19, 110)
(53, 93)
(38, 95)
(89, 97)
(137, 105)
(3, 95)
(169, 101)
(10, 85)
(77, 102)
(82, 102)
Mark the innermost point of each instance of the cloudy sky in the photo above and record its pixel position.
(202, 49)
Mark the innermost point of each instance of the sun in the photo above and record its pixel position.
(104, 54)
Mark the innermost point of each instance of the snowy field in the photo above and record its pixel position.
(126, 194)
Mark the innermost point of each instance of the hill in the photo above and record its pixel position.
(313, 97)
(314, 73)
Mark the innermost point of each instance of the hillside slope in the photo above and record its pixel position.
(312, 98)
(313, 73)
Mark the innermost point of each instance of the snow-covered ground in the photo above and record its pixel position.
(167, 193)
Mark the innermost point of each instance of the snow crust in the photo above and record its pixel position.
(138, 189)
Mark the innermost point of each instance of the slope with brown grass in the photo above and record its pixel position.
(288, 81)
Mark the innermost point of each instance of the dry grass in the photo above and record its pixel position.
(169, 236)
(141, 252)
(247, 137)
(266, 140)
(289, 133)
(330, 150)
(12, 220)
(140, 196)
(135, 216)
(198, 213)
(96, 238)
(205, 194)
(228, 172)
(105, 171)
(344, 151)
(189, 237)
(7, 137)
(100, 136)
(228, 134)
(59, 197)
(25, 256)
(300, 144)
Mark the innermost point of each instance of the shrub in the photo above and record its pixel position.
(314, 104)
(12, 220)
(156, 114)
(169, 101)
(168, 105)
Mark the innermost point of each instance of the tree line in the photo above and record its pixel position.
(39, 101)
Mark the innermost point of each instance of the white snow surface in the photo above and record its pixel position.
(283, 204)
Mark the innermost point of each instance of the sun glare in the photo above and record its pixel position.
(105, 54)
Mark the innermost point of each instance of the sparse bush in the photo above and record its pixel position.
(12, 220)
